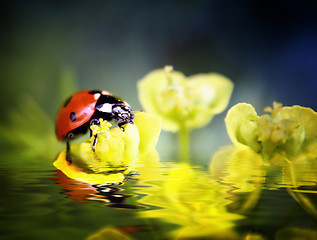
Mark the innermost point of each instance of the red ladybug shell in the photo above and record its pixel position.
(76, 111)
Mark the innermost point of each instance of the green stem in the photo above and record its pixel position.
(183, 151)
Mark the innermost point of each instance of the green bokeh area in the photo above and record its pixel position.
(50, 49)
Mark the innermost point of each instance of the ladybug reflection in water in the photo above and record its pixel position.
(84, 109)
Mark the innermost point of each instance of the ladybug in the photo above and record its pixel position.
(85, 108)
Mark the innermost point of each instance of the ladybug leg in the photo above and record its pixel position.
(68, 157)
(121, 124)
(94, 122)
(93, 148)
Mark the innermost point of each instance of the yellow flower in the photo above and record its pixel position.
(184, 102)
(116, 152)
(283, 130)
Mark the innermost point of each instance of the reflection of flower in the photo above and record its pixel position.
(189, 198)
(239, 167)
(184, 102)
(116, 153)
(110, 233)
(111, 194)
(242, 169)
(292, 233)
(79, 191)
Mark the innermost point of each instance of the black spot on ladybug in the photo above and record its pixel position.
(72, 116)
(94, 92)
(67, 101)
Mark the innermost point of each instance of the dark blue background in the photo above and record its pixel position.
(271, 45)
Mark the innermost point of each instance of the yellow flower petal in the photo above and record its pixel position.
(235, 115)
(214, 90)
(149, 127)
(74, 172)
(150, 90)
(303, 116)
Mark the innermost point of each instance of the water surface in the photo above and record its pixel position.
(40, 202)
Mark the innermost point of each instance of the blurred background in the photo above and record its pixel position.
(50, 49)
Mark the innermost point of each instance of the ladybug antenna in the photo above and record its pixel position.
(135, 111)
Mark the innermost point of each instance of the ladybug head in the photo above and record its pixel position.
(122, 113)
